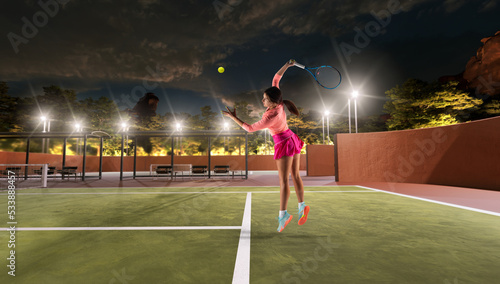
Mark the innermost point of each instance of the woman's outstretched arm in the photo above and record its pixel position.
(232, 115)
(288, 64)
(264, 123)
(279, 74)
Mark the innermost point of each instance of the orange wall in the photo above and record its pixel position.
(320, 160)
(13, 158)
(466, 155)
(112, 164)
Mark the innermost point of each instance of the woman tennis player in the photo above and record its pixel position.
(287, 145)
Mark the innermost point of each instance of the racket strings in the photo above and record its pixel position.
(328, 77)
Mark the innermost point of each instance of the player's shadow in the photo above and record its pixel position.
(299, 236)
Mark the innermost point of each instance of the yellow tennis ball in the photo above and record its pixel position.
(221, 69)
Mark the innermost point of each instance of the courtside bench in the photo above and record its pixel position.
(157, 170)
(68, 171)
(183, 169)
(199, 170)
(221, 170)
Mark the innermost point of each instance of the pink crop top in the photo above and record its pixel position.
(273, 119)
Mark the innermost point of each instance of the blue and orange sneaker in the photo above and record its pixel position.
(303, 211)
(284, 221)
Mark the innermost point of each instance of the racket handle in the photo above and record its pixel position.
(299, 65)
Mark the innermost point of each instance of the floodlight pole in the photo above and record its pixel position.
(121, 156)
(135, 156)
(356, 115)
(179, 138)
(209, 156)
(44, 119)
(265, 143)
(48, 139)
(355, 95)
(127, 144)
(328, 129)
(323, 122)
(27, 151)
(225, 128)
(101, 146)
(246, 155)
(172, 157)
(65, 146)
(84, 156)
(349, 111)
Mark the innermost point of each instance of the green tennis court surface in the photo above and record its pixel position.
(198, 235)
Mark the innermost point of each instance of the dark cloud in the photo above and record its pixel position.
(119, 40)
(120, 48)
(113, 40)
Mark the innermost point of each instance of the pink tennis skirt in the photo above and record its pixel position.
(286, 143)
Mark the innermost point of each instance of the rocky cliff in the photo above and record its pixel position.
(482, 72)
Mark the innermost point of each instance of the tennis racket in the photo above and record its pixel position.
(326, 76)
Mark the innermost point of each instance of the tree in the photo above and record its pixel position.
(418, 104)
(207, 120)
(373, 123)
(149, 123)
(4, 88)
(100, 114)
(184, 119)
(341, 125)
(490, 108)
(8, 110)
(57, 104)
(302, 127)
(243, 112)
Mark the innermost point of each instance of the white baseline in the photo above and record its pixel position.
(241, 274)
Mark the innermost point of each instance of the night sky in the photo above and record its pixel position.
(122, 49)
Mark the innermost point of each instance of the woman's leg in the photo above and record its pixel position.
(284, 166)
(299, 190)
(297, 180)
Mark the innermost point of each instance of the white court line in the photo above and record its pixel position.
(183, 192)
(435, 201)
(319, 191)
(133, 228)
(118, 193)
(241, 274)
(217, 185)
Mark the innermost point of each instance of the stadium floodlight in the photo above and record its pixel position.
(327, 114)
(78, 127)
(355, 95)
(178, 127)
(349, 112)
(124, 126)
(46, 128)
(44, 120)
